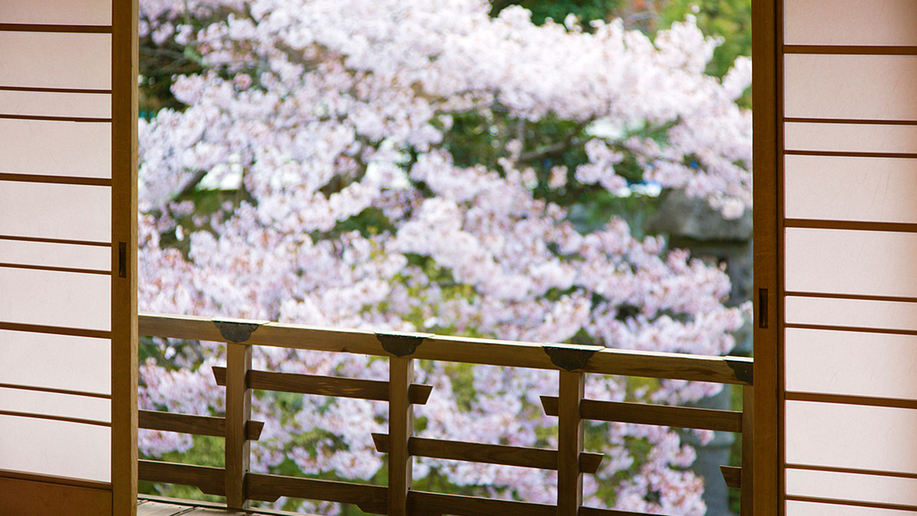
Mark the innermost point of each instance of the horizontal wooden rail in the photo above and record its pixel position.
(424, 503)
(190, 424)
(644, 414)
(676, 366)
(325, 385)
(523, 457)
(208, 479)
(595, 511)
(368, 498)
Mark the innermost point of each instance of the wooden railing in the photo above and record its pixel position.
(570, 460)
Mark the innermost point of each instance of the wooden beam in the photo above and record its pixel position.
(645, 414)
(437, 504)
(238, 413)
(519, 456)
(209, 480)
(677, 366)
(191, 424)
(325, 385)
(569, 444)
(268, 488)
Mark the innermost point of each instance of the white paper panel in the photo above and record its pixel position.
(850, 22)
(851, 363)
(901, 139)
(54, 60)
(860, 87)
(47, 148)
(55, 299)
(851, 487)
(71, 105)
(851, 436)
(56, 255)
(794, 508)
(68, 212)
(860, 189)
(55, 448)
(56, 12)
(53, 404)
(851, 313)
(55, 361)
(851, 262)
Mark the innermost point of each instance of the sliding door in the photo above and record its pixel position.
(844, 211)
(67, 256)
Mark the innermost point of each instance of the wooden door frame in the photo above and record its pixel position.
(768, 253)
(124, 365)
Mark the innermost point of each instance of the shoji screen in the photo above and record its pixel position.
(67, 239)
(849, 165)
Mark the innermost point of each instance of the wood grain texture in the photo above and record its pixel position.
(523, 457)
(677, 366)
(766, 177)
(369, 498)
(645, 414)
(124, 159)
(595, 511)
(238, 413)
(209, 480)
(423, 503)
(569, 444)
(20, 497)
(325, 385)
(191, 424)
(747, 475)
(732, 475)
(400, 430)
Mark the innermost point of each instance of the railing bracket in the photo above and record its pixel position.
(236, 331)
(744, 368)
(570, 358)
(401, 344)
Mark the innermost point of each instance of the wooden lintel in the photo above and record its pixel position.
(209, 480)
(646, 414)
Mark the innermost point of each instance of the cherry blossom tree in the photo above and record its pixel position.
(422, 166)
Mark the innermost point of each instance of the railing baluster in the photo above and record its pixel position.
(746, 498)
(569, 444)
(400, 429)
(238, 412)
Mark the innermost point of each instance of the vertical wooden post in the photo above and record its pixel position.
(124, 367)
(767, 105)
(238, 412)
(748, 451)
(400, 429)
(569, 444)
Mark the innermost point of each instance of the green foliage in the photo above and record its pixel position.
(557, 10)
(727, 19)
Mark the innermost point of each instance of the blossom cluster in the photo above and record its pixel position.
(332, 118)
